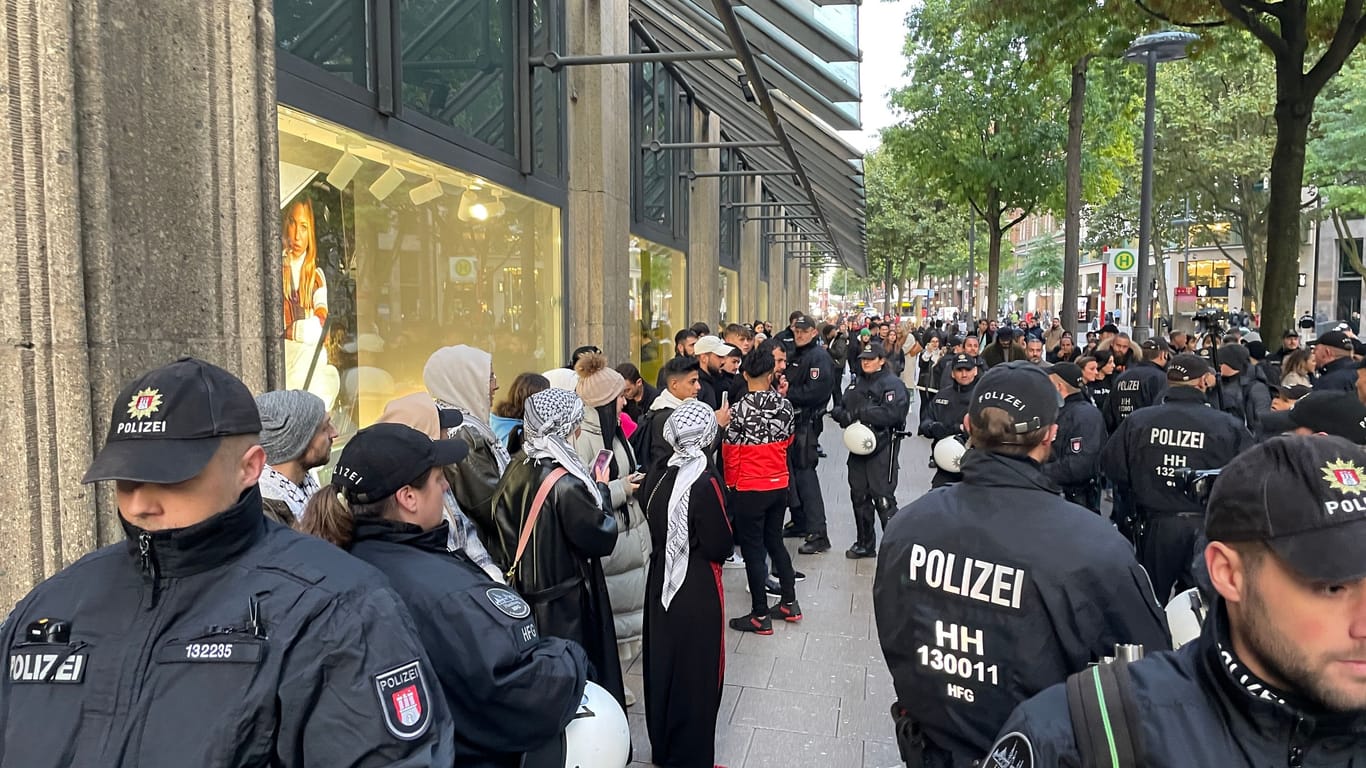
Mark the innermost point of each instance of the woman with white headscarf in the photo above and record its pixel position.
(559, 572)
(684, 661)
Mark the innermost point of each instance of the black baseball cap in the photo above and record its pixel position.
(963, 361)
(803, 321)
(168, 423)
(1187, 367)
(1335, 339)
(871, 352)
(1290, 333)
(1109, 328)
(1304, 496)
(1233, 355)
(1070, 373)
(1330, 412)
(1157, 342)
(1293, 392)
(382, 458)
(1021, 389)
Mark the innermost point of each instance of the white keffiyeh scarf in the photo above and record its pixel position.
(276, 486)
(551, 416)
(691, 429)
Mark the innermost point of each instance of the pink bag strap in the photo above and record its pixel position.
(542, 494)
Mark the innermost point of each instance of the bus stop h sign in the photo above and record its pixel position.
(1124, 261)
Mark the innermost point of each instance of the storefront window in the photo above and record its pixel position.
(658, 303)
(1210, 279)
(330, 34)
(389, 256)
(730, 297)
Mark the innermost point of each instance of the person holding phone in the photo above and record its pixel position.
(602, 444)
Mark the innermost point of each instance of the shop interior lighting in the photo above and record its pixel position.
(472, 208)
(344, 170)
(496, 207)
(386, 183)
(426, 193)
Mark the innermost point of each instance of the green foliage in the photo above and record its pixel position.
(1337, 147)
(910, 224)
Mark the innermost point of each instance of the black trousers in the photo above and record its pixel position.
(759, 532)
(1165, 552)
(808, 507)
(872, 490)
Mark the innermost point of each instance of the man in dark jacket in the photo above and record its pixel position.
(1333, 360)
(879, 401)
(1242, 390)
(811, 377)
(639, 394)
(1273, 678)
(1005, 350)
(992, 589)
(1141, 385)
(1145, 456)
(711, 358)
(211, 636)
(1075, 463)
(947, 409)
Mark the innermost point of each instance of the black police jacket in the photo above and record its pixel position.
(231, 643)
(710, 387)
(811, 379)
(947, 410)
(511, 690)
(880, 402)
(995, 588)
(1141, 385)
(1076, 449)
(1149, 450)
(1341, 374)
(1197, 707)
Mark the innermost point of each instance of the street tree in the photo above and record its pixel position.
(1336, 163)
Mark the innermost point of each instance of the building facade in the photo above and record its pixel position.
(319, 194)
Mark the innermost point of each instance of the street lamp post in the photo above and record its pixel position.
(1151, 49)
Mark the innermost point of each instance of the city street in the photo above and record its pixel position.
(815, 693)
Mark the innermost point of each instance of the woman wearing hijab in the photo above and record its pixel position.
(559, 572)
(461, 378)
(684, 660)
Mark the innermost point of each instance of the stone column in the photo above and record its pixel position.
(704, 225)
(138, 223)
(599, 179)
(778, 307)
(751, 233)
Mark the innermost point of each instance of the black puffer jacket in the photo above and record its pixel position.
(993, 589)
(474, 480)
(1199, 707)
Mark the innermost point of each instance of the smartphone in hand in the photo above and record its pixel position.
(600, 465)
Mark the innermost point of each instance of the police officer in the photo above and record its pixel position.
(1333, 360)
(811, 379)
(950, 405)
(879, 401)
(992, 589)
(211, 636)
(1145, 458)
(512, 690)
(1141, 385)
(1075, 464)
(1273, 679)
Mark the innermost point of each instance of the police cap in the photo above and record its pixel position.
(1330, 412)
(1021, 389)
(382, 458)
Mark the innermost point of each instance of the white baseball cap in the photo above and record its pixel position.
(711, 345)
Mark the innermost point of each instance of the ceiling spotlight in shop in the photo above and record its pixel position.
(472, 208)
(344, 170)
(386, 183)
(426, 193)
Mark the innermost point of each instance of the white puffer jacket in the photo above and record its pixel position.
(627, 567)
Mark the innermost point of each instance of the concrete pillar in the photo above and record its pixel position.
(704, 225)
(751, 234)
(599, 179)
(778, 308)
(138, 223)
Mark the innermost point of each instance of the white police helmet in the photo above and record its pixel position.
(1185, 614)
(859, 439)
(598, 736)
(948, 454)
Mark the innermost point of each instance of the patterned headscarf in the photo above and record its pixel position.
(691, 430)
(551, 417)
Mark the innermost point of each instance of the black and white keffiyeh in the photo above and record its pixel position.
(691, 429)
(551, 417)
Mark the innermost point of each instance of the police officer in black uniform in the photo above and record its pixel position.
(1263, 685)
(512, 690)
(1145, 459)
(1142, 384)
(994, 588)
(1075, 464)
(879, 401)
(950, 405)
(1333, 360)
(212, 636)
(811, 378)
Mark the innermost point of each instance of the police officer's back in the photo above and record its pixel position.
(1333, 361)
(878, 400)
(1264, 684)
(211, 637)
(512, 690)
(1075, 463)
(947, 409)
(1141, 385)
(994, 588)
(1146, 455)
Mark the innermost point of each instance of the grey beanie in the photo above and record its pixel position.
(289, 420)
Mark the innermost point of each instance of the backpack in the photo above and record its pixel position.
(642, 440)
(1105, 718)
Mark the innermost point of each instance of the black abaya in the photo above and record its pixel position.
(684, 654)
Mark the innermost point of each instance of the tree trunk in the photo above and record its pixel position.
(1294, 111)
(992, 216)
(1071, 264)
(887, 288)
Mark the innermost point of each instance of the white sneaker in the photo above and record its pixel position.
(734, 561)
